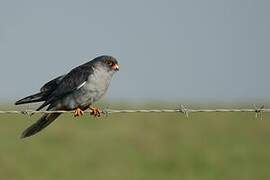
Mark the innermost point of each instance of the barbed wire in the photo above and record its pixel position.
(182, 109)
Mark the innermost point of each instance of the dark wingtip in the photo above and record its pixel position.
(22, 101)
(31, 99)
(17, 103)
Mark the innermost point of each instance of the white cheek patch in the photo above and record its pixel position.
(81, 85)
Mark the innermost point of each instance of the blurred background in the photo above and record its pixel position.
(211, 53)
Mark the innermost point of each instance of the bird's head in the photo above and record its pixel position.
(109, 62)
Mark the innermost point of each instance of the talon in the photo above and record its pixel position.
(78, 112)
(95, 111)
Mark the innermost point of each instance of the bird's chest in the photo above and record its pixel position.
(89, 91)
(96, 85)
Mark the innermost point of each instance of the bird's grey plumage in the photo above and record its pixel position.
(51, 85)
(81, 87)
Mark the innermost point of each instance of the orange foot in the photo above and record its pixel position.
(78, 112)
(95, 111)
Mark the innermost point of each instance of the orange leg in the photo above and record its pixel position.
(78, 112)
(95, 111)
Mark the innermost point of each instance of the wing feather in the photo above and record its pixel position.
(69, 83)
(51, 85)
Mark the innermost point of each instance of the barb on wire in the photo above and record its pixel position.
(259, 111)
(183, 109)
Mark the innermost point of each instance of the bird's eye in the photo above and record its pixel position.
(109, 63)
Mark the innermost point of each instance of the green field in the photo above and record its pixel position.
(206, 146)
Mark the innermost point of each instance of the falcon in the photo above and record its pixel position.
(76, 90)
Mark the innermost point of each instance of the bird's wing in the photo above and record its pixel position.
(72, 81)
(44, 93)
(69, 83)
(51, 85)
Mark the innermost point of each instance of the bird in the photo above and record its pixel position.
(75, 91)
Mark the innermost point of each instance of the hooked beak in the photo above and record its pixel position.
(115, 67)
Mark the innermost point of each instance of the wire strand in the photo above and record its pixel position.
(258, 111)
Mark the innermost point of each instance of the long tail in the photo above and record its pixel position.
(43, 122)
(33, 98)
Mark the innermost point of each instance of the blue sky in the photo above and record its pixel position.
(167, 50)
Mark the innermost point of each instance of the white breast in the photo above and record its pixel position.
(91, 90)
(97, 83)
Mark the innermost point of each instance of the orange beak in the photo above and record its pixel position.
(115, 67)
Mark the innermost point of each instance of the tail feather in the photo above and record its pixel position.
(33, 98)
(43, 122)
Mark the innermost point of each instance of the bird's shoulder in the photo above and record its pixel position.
(51, 85)
(63, 85)
(73, 79)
